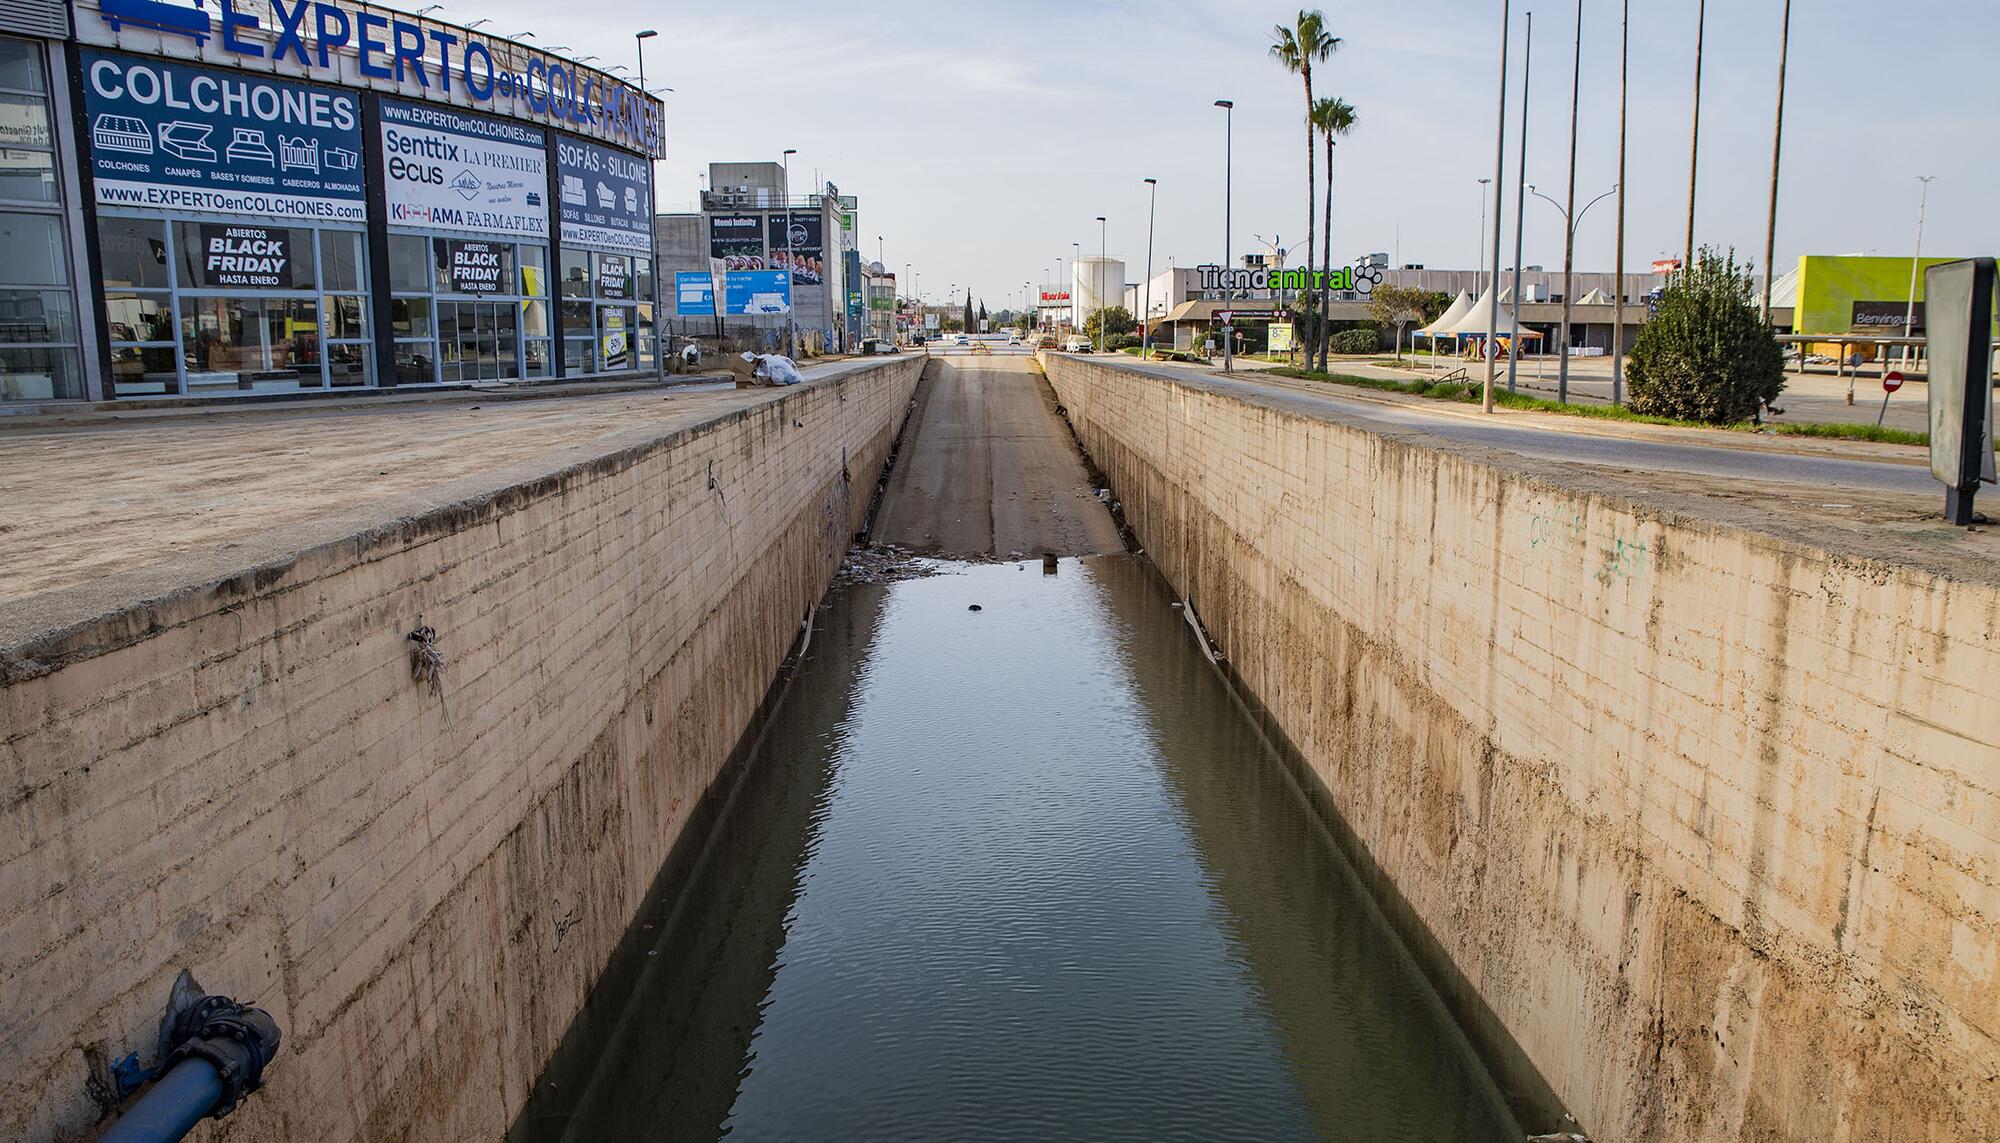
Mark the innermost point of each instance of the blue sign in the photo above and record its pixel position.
(408, 56)
(606, 195)
(757, 292)
(166, 136)
(694, 294)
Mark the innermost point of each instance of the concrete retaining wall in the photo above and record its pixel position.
(241, 776)
(1706, 815)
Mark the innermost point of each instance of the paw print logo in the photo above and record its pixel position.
(1366, 278)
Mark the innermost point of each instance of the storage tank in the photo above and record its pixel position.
(1095, 283)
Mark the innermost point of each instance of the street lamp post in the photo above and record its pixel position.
(660, 347)
(791, 319)
(1075, 295)
(1916, 257)
(1499, 173)
(1569, 242)
(1103, 256)
(1520, 210)
(1569, 225)
(1146, 330)
(1618, 267)
(1477, 289)
(1228, 205)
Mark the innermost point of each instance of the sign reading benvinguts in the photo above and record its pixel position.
(253, 257)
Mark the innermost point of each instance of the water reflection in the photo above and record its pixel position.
(1019, 873)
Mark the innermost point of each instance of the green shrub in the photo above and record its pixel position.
(1120, 341)
(1706, 355)
(1355, 341)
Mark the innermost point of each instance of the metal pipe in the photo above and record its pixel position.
(170, 1108)
(216, 1053)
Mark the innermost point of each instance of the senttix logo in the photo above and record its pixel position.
(1347, 279)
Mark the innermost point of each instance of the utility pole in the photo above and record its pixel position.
(1916, 258)
(1569, 212)
(1694, 145)
(1777, 152)
(1618, 268)
(1520, 209)
(1228, 191)
(660, 321)
(1146, 330)
(1499, 173)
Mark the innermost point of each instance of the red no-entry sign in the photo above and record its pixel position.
(1892, 382)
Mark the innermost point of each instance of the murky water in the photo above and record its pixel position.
(1019, 873)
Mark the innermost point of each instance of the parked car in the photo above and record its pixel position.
(1077, 343)
(961, 339)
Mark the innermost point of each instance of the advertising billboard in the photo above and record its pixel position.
(173, 137)
(748, 292)
(800, 244)
(469, 267)
(450, 171)
(694, 294)
(247, 257)
(738, 240)
(606, 197)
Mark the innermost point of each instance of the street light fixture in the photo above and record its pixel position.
(791, 320)
(1146, 330)
(1103, 257)
(1228, 204)
(1477, 288)
(1562, 375)
(476, 23)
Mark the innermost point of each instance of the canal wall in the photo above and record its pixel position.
(1700, 806)
(238, 774)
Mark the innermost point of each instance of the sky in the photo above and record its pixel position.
(983, 139)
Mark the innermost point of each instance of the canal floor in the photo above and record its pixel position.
(1010, 863)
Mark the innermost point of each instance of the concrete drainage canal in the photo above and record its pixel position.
(1006, 859)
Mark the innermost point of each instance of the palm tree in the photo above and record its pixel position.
(1330, 117)
(1298, 48)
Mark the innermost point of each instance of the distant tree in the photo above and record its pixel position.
(1705, 355)
(968, 326)
(1297, 49)
(1331, 117)
(951, 325)
(982, 311)
(1396, 307)
(1114, 320)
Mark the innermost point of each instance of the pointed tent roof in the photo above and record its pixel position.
(1450, 316)
(1475, 319)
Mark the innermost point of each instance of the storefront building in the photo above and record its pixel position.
(268, 197)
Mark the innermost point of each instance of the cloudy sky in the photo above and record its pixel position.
(982, 139)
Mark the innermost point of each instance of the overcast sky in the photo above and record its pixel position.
(982, 139)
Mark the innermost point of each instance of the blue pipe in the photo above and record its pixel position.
(170, 1108)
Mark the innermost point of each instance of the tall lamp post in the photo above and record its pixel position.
(1923, 203)
(1499, 173)
(660, 347)
(1569, 242)
(1618, 267)
(1694, 137)
(1777, 153)
(1520, 209)
(1103, 256)
(1478, 289)
(1075, 295)
(1570, 225)
(1228, 204)
(1146, 329)
(791, 319)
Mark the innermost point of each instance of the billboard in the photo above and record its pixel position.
(451, 171)
(757, 292)
(799, 241)
(172, 137)
(738, 240)
(1856, 294)
(694, 294)
(606, 197)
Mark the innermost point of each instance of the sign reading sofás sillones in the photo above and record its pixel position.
(448, 171)
(606, 197)
(169, 137)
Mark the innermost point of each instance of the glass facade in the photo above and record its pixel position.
(465, 309)
(607, 311)
(199, 308)
(39, 332)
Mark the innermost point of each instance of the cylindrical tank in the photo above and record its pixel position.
(1095, 283)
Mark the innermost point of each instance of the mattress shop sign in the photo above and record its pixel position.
(384, 50)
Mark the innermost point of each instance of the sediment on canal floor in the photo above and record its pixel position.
(241, 776)
(1697, 803)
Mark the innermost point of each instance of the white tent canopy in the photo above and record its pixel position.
(1448, 318)
(1475, 320)
(1594, 298)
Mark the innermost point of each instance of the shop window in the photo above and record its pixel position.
(134, 252)
(250, 344)
(576, 274)
(579, 329)
(535, 271)
(340, 260)
(244, 256)
(32, 251)
(20, 66)
(409, 263)
(41, 358)
(145, 370)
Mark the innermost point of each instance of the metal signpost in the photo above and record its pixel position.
(1890, 383)
(1960, 344)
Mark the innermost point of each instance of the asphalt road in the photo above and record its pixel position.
(989, 469)
(1526, 438)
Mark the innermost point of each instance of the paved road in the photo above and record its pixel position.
(988, 469)
(1528, 438)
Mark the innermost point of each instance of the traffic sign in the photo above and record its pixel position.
(1891, 382)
